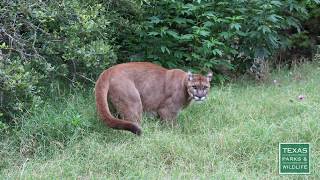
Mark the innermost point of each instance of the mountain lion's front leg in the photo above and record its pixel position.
(168, 112)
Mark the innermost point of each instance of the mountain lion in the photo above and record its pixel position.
(138, 87)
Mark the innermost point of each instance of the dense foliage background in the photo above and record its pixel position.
(50, 44)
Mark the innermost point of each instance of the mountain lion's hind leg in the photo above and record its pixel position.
(126, 99)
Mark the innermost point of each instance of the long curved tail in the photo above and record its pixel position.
(101, 92)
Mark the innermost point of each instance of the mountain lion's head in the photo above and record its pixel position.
(198, 86)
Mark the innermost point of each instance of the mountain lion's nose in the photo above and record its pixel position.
(199, 98)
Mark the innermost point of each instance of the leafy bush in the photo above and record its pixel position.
(304, 43)
(205, 34)
(18, 86)
(42, 42)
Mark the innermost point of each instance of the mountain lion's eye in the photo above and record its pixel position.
(205, 87)
(194, 87)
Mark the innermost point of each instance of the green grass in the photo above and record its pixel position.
(234, 135)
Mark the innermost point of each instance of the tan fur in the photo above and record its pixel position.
(139, 87)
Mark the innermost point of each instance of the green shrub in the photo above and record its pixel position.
(207, 34)
(304, 43)
(78, 41)
(65, 41)
(18, 86)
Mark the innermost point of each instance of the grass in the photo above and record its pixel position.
(234, 135)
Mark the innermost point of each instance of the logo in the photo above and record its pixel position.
(294, 158)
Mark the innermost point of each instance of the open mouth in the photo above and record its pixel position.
(196, 98)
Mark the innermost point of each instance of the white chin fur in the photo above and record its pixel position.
(199, 99)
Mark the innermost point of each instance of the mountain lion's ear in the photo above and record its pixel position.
(209, 76)
(189, 76)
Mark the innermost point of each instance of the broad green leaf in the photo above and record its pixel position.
(187, 37)
(235, 26)
(204, 33)
(209, 14)
(274, 18)
(152, 33)
(179, 20)
(216, 42)
(155, 20)
(163, 31)
(217, 52)
(276, 3)
(208, 24)
(164, 49)
(225, 34)
(173, 34)
(273, 40)
(265, 29)
(291, 21)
